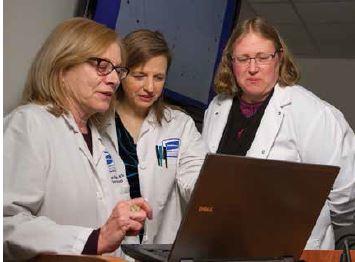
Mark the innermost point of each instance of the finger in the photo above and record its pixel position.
(111, 234)
(132, 233)
(120, 218)
(143, 205)
(135, 226)
(139, 216)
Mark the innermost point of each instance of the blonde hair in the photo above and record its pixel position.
(72, 42)
(142, 45)
(224, 80)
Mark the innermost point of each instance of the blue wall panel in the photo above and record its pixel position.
(107, 11)
(196, 31)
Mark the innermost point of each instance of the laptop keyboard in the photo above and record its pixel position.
(162, 251)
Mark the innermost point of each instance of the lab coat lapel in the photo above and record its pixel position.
(69, 119)
(270, 124)
(97, 145)
(97, 148)
(143, 150)
(150, 134)
(79, 140)
(219, 121)
(148, 123)
(110, 132)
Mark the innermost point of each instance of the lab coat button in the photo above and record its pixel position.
(98, 195)
(263, 151)
(279, 113)
(141, 165)
(216, 113)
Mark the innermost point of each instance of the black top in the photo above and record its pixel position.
(88, 139)
(240, 130)
(128, 153)
(90, 247)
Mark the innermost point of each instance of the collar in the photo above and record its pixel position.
(169, 115)
(224, 98)
(150, 120)
(281, 96)
(69, 119)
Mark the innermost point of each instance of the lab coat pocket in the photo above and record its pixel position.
(165, 180)
(284, 150)
(169, 166)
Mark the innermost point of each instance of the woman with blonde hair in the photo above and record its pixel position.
(260, 111)
(62, 190)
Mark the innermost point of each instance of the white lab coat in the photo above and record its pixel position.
(298, 126)
(166, 188)
(55, 191)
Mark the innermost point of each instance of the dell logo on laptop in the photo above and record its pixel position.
(205, 209)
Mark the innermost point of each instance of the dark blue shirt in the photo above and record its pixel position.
(128, 153)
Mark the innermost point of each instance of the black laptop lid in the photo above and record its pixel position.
(252, 208)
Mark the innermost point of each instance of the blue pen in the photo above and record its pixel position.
(158, 155)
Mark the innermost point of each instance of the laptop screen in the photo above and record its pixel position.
(252, 208)
(247, 208)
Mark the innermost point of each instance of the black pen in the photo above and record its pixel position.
(165, 156)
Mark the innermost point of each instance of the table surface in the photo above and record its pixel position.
(307, 255)
(324, 255)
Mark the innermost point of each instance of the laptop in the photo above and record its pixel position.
(245, 209)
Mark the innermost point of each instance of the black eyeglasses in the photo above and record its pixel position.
(260, 59)
(105, 67)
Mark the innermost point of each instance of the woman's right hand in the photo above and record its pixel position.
(127, 218)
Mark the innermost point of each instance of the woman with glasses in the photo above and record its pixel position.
(159, 144)
(63, 192)
(260, 111)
